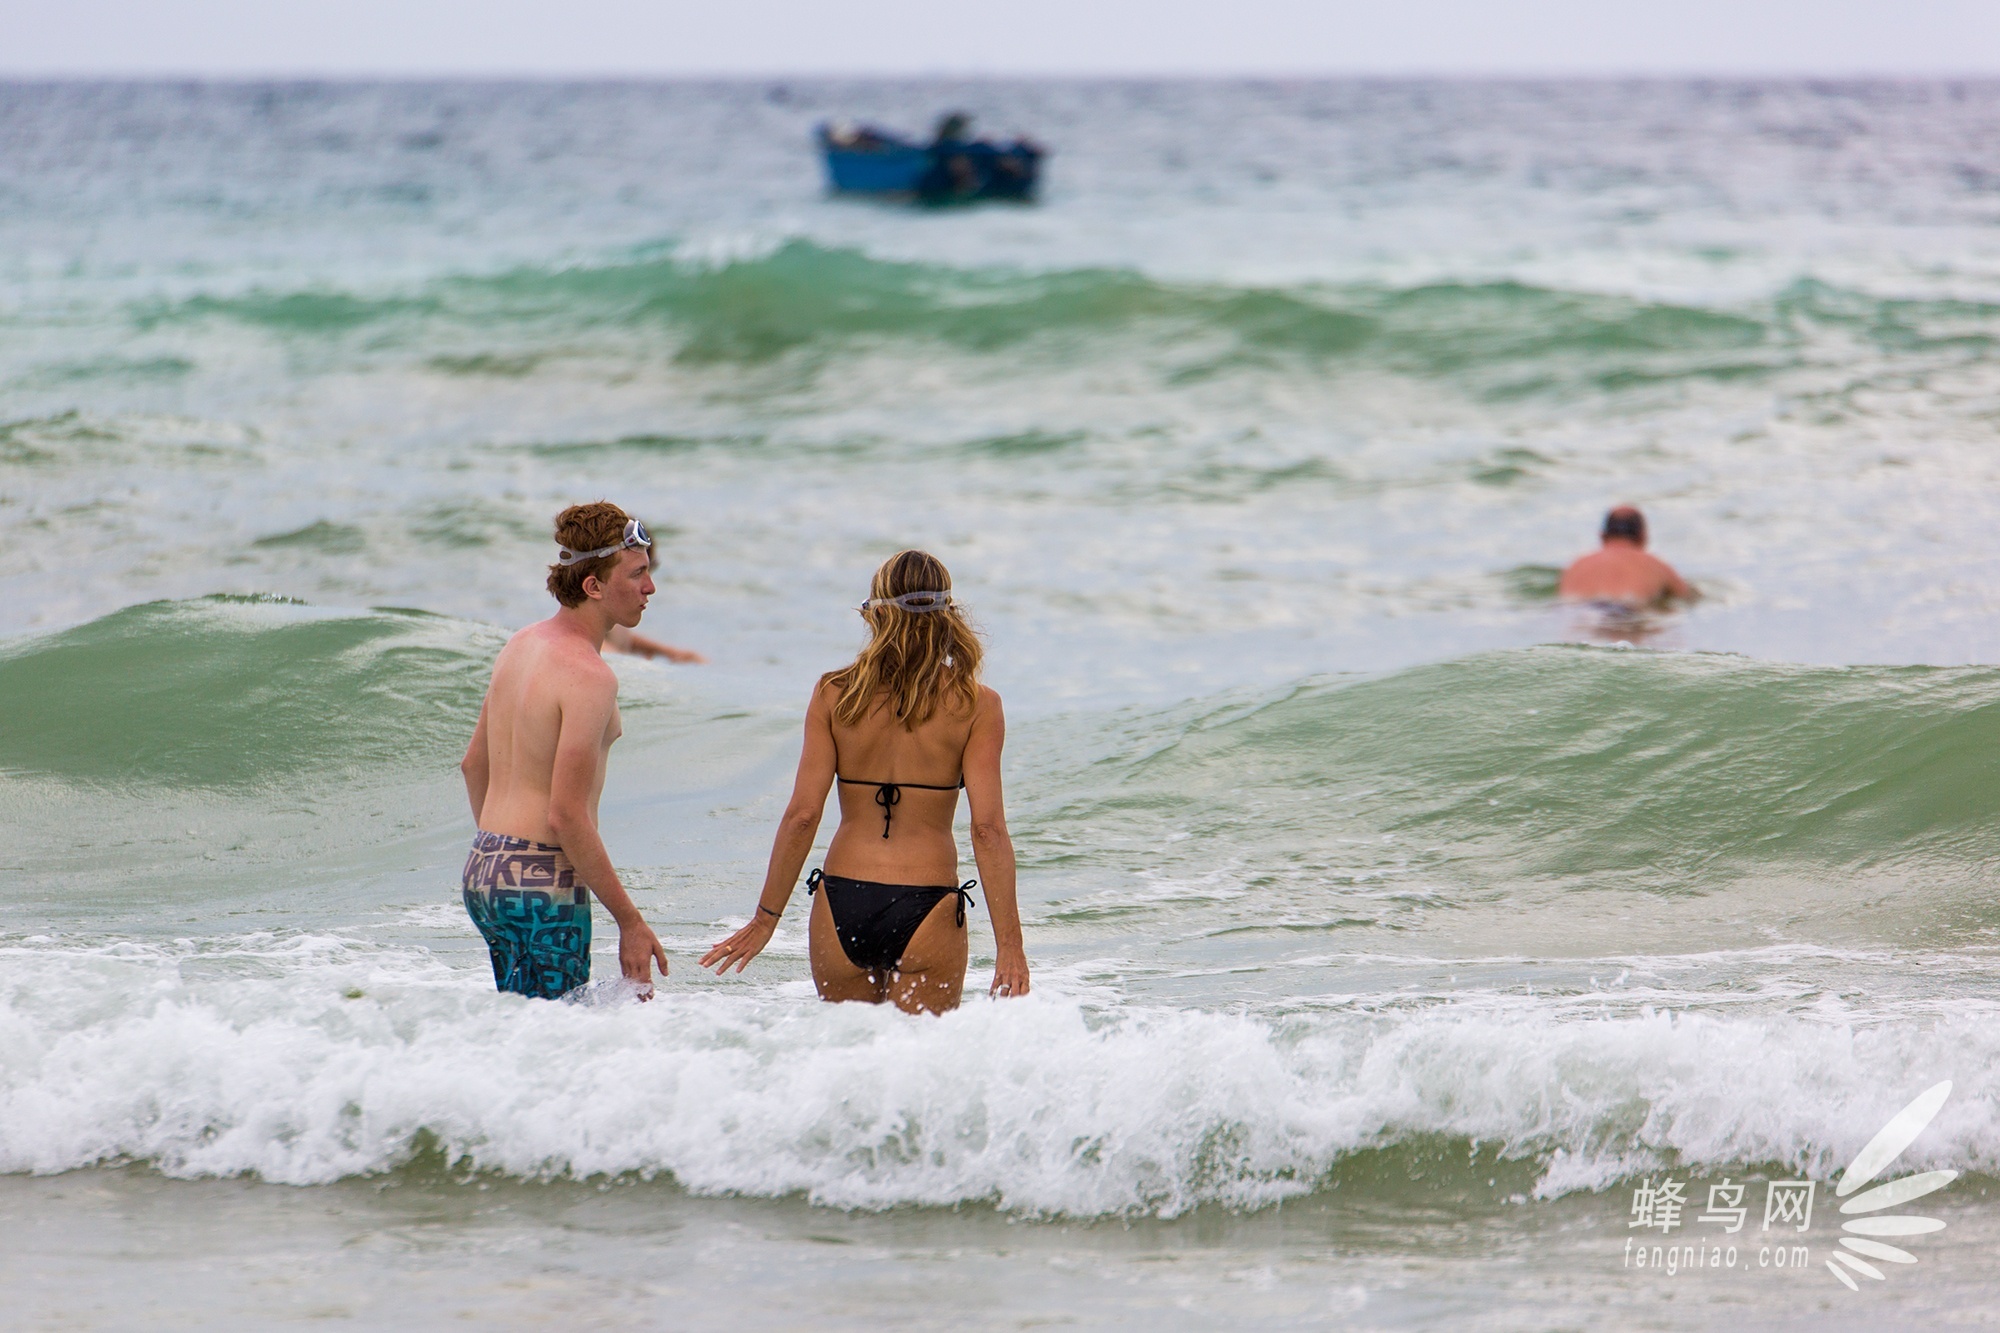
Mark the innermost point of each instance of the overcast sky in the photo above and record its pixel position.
(659, 37)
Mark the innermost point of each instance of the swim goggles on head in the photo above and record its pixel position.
(635, 535)
(912, 601)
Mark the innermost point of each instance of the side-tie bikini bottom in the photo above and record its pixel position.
(875, 921)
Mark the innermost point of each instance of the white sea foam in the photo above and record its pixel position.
(309, 1059)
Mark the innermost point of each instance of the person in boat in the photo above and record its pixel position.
(899, 730)
(1621, 572)
(952, 173)
(619, 639)
(951, 132)
(858, 138)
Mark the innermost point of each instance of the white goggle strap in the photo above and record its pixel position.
(635, 535)
(913, 601)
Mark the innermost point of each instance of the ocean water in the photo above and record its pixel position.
(1391, 924)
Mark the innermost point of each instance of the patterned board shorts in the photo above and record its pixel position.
(526, 901)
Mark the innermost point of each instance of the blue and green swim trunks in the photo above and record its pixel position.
(525, 899)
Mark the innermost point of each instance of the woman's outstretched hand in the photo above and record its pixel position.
(1010, 973)
(747, 943)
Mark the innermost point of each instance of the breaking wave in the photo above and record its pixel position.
(1667, 770)
(1501, 338)
(226, 691)
(309, 1059)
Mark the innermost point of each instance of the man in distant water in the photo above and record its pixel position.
(623, 640)
(535, 769)
(1621, 572)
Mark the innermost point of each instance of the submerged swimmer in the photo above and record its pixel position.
(619, 639)
(901, 729)
(1621, 573)
(535, 769)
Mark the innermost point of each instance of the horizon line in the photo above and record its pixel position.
(746, 75)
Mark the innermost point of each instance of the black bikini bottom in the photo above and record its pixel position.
(875, 921)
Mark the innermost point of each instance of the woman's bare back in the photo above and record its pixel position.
(903, 783)
(891, 924)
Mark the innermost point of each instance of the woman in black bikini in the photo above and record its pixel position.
(902, 728)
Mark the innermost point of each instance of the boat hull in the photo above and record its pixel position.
(872, 162)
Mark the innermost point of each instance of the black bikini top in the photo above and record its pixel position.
(889, 794)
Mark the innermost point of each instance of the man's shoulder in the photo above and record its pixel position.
(1647, 565)
(1671, 577)
(1586, 560)
(566, 657)
(1583, 564)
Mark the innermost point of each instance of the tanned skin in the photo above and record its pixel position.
(1622, 571)
(535, 767)
(622, 640)
(930, 978)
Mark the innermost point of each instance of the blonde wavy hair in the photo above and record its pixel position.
(913, 660)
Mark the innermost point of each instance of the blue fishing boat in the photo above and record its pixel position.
(951, 169)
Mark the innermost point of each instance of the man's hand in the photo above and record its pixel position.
(744, 945)
(638, 946)
(1010, 973)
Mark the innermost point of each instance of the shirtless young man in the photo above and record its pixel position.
(535, 769)
(1621, 572)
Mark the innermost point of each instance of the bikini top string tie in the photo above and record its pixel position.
(890, 794)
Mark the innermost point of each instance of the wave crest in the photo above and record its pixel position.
(309, 1060)
(1510, 337)
(1654, 769)
(226, 691)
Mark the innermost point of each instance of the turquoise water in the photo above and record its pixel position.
(1390, 922)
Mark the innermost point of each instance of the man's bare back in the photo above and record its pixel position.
(1622, 571)
(535, 767)
(542, 678)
